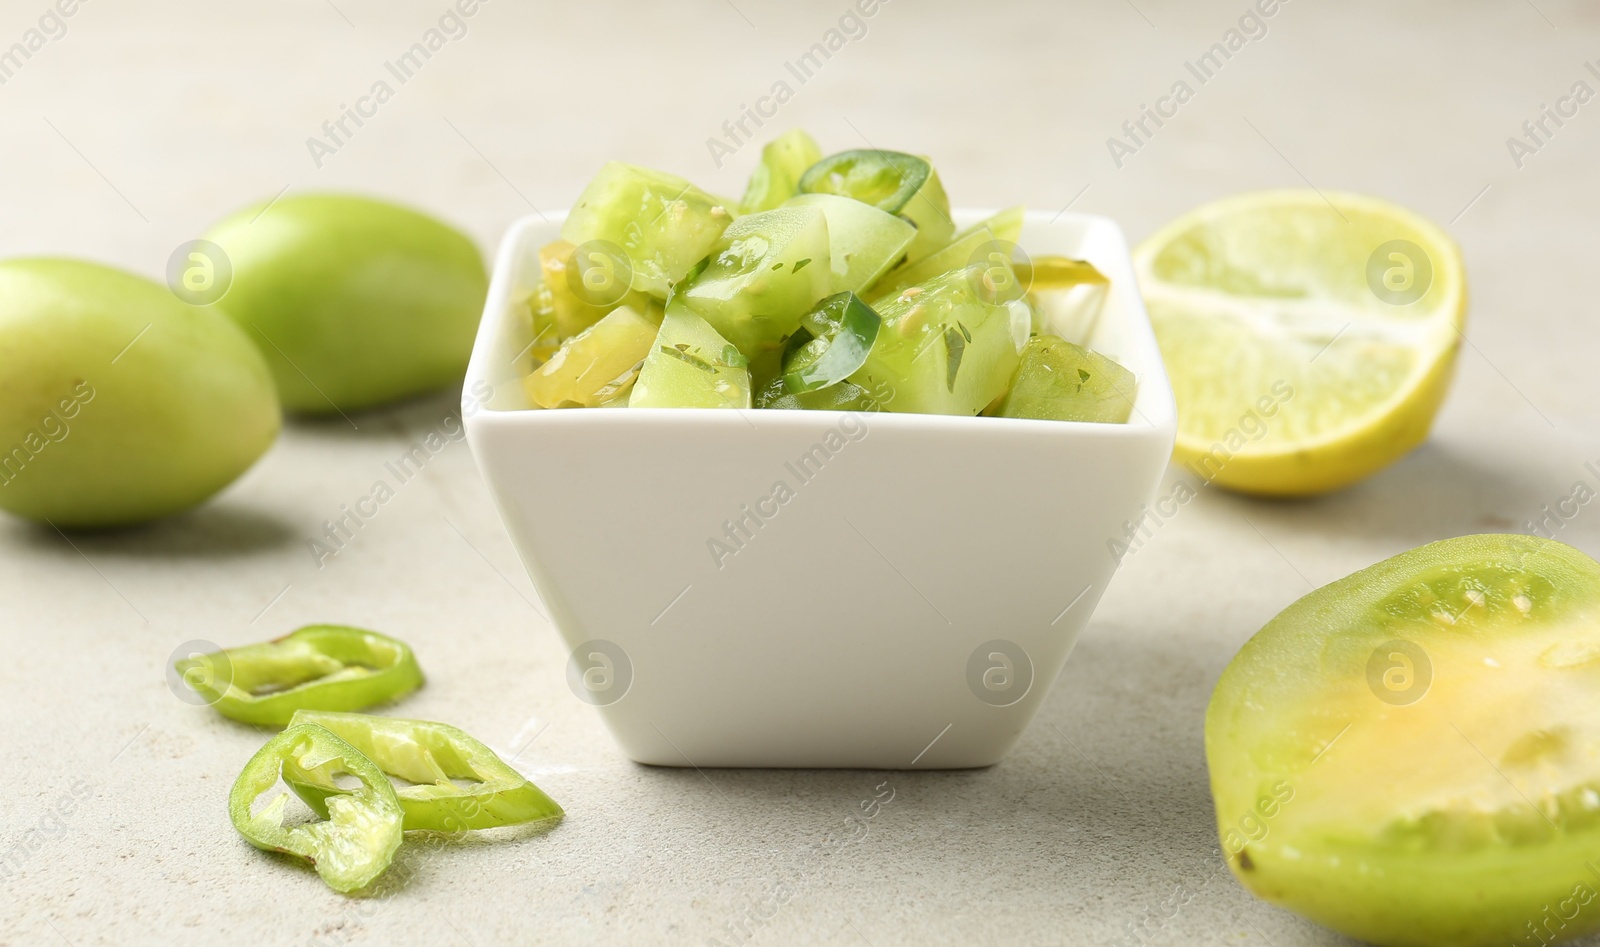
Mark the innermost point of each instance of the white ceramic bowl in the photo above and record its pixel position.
(904, 599)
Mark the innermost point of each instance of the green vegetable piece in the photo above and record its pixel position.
(845, 396)
(758, 281)
(449, 782)
(1066, 295)
(953, 256)
(863, 241)
(662, 224)
(318, 667)
(1060, 381)
(945, 347)
(885, 179)
(120, 403)
(362, 826)
(691, 366)
(1005, 225)
(892, 181)
(841, 330)
(1411, 754)
(595, 365)
(354, 302)
(777, 177)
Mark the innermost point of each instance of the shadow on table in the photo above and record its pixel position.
(220, 529)
(1436, 492)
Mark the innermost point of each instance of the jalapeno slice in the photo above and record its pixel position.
(362, 827)
(841, 331)
(451, 782)
(318, 667)
(885, 179)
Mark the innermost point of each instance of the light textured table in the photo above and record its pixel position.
(130, 133)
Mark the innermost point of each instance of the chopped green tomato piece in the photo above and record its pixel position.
(841, 330)
(449, 782)
(596, 364)
(863, 241)
(362, 826)
(943, 348)
(1059, 381)
(845, 396)
(953, 256)
(1005, 225)
(662, 224)
(777, 177)
(1066, 296)
(318, 667)
(892, 181)
(765, 273)
(691, 366)
(580, 292)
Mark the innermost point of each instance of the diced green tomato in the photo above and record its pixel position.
(764, 274)
(891, 181)
(845, 396)
(362, 826)
(691, 366)
(582, 292)
(595, 364)
(952, 256)
(448, 781)
(1066, 295)
(1059, 381)
(662, 223)
(929, 211)
(318, 667)
(943, 348)
(863, 241)
(1005, 225)
(777, 177)
(842, 329)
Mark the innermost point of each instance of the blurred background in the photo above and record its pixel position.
(134, 126)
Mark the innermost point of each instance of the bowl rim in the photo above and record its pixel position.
(1155, 405)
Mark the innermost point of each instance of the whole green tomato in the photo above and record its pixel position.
(118, 402)
(354, 302)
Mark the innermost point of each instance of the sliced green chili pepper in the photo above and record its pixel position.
(842, 329)
(884, 179)
(449, 781)
(363, 826)
(319, 667)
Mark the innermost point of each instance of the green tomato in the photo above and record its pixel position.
(119, 403)
(1411, 755)
(354, 302)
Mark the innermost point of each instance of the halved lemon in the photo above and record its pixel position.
(1310, 337)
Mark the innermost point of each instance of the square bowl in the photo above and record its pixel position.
(817, 588)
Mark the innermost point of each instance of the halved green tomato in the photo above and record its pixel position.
(1411, 755)
(660, 224)
(1059, 381)
(691, 366)
(834, 341)
(361, 828)
(764, 274)
(777, 177)
(943, 347)
(596, 364)
(891, 181)
(863, 241)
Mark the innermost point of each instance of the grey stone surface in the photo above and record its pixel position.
(145, 121)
